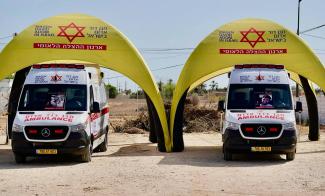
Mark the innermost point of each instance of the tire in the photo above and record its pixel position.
(19, 158)
(290, 156)
(86, 157)
(103, 146)
(227, 156)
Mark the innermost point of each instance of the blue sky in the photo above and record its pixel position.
(168, 23)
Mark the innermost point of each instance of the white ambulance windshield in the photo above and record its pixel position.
(259, 96)
(53, 97)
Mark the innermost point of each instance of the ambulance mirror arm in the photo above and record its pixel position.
(95, 108)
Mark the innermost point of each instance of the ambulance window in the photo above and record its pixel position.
(91, 93)
(259, 96)
(26, 98)
(43, 97)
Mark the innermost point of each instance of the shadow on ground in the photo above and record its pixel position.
(200, 156)
(7, 161)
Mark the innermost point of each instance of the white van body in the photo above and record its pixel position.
(259, 112)
(63, 109)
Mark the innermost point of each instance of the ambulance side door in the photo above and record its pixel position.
(94, 116)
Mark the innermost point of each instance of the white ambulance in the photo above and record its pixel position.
(62, 109)
(259, 112)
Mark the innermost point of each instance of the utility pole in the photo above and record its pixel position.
(311, 99)
(298, 31)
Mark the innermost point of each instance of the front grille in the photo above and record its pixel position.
(261, 130)
(46, 132)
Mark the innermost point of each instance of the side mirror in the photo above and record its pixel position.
(95, 108)
(221, 105)
(298, 106)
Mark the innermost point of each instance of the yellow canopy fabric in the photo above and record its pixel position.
(82, 38)
(246, 41)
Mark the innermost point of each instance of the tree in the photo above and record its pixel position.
(213, 85)
(160, 85)
(168, 89)
(137, 94)
(112, 91)
(12, 76)
(128, 92)
(201, 89)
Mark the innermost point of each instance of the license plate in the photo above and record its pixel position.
(46, 151)
(261, 149)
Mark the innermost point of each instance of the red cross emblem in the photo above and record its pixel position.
(71, 31)
(56, 78)
(252, 31)
(259, 77)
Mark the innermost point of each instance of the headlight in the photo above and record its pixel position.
(290, 125)
(231, 125)
(78, 127)
(17, 128)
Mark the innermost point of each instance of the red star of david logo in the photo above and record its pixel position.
(253, 31)
(259, 77)
(56, 78)
(71, 36)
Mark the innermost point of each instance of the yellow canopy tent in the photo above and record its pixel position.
(85, 38)
(246, 41)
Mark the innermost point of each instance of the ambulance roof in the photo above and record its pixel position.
(272, 74)
(56, 74)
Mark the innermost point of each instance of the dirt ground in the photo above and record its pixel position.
(132, 166)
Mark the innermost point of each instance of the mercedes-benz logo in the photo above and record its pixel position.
(261, 130)
(46, 132)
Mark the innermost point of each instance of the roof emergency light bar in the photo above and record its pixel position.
(71, 66)
(270, 66)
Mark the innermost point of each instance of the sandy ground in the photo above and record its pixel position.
(132, 166)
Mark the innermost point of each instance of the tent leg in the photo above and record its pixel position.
(312, 110)
(152, 132)
(156, 126)
(178, 141)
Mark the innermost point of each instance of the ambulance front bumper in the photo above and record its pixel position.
(235, 143)
(76, 144)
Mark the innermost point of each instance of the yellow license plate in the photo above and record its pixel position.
(261, 149)
(46, 151)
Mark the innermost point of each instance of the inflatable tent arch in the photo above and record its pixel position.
(85, 38)
(246, 41)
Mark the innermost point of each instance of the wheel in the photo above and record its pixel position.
(86, 157)
(19, 158)
(103, 146)
(290, 156)
(227, 156)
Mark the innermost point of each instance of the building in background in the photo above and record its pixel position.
(5, 87)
